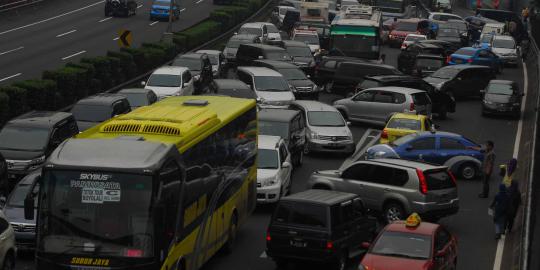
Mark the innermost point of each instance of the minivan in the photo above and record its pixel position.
(247, 53)
(270, 86)
(289, 125)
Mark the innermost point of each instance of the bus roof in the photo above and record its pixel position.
(181, 121)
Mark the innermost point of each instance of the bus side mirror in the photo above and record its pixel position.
(29, 203)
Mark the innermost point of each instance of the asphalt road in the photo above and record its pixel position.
(55, 32)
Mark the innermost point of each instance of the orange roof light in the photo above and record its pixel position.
(413, 221)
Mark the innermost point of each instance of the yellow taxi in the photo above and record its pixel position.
(401, 124)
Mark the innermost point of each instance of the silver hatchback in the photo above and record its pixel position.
(395, 187)
(376, 105)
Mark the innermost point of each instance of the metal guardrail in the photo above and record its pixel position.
(18, 4)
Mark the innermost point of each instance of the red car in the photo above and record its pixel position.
(401, 29)
(411, 245)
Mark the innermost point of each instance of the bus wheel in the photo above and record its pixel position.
(229, 246)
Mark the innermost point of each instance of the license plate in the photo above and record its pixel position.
(298, 244)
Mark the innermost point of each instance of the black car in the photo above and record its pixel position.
(120, 8)
(199, 65)
(349, 74)
(407, 57)
(449, 48)
(25, 229)
(300, 54)
(289, 125)
(139, 97)
(320, 226)
(461, 80)
(502, 97)
(247, 53)
(98, 108)
(27, 141)
(231, 88)
(451, 35)
(442, 102)
(303, 87)
(326, 69)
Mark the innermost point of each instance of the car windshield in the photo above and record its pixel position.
(192, 63)
(406, 26)
(274, 129)
(292, 74)
(270, 83)
(110, 213)
(500, 89)
(325, 119)
(278, 55)
(445, 73)
(267, 159)
(23, 138)
(164, 80)
(486, 38)
(465, 52)
(18, 195)
(404, 123)
(308, 39)
(250, 31)
(404, 139)
(414, 38)
(137, 99)
(299, 51)
(429, 63)
(448, 32)
(403, 244)
(91, 113)
(504, 43)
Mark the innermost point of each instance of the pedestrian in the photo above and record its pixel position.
(500, 210)
(513, 206)
(487, 166)
(509, 170)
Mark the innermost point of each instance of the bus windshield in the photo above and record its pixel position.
(93, 212)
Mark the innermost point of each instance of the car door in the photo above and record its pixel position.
(385, 103)
(284, 172)
(482, 58)
(420, 149)
(443, 247)
(361, 104)
(354, 181)
(448, 148)
(461, 84)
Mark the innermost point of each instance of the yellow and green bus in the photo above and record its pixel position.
(163, 187)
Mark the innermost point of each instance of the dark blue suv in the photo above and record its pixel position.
(456, 152)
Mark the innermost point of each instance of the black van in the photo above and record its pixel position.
(247, 53)
(323, 226)
(27, 141)
(349, 74)
(289, 125)
(462, 80)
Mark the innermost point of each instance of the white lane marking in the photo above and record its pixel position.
(199, 1)
(182, 10)
(51, 18)
(500, 244)
(104, 20)
(9, 77)
(263, 255)
(73, 55)
(116, 38)
(153, 23)
(10, 51)
(139, 6)
(66, 33)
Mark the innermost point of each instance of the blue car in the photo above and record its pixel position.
(160, 10)
(461, 155)
(481, 56)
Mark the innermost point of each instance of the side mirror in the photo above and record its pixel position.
(143, 83)
(286, 165)
(440, 253)
(365, 245)
(29, 203)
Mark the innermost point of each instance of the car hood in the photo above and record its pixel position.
(84, 125)
(302, 60)
(435, 81)
(266, 173)
(331, 131)
(164, 91)
(501, 51)
(16, 214)
(301, 83)
(498, 98)
(21, 154)
(276, 96)
(381, 151)
(378, 262)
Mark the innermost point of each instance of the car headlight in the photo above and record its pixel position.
(37, 161)
(488, 102)
(268, 182)
(314, 135)
(292, 88)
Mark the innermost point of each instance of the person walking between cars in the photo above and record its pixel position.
(500, 210)
(487, 167)
(514, 196)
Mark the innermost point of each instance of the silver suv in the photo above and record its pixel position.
(376, 105)
(395, 187)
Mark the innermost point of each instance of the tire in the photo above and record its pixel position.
(341, 261)
(392, 212)
(233, 228)
(328, 87)
(468, 171)
(9, 262)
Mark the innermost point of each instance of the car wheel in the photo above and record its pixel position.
(233, 228)
(328, 87)
(393, 212)
(467, 171)
(9, 263)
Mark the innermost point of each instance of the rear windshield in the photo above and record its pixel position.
(403, 123)
(437, 180)
(420, 99)
(465, 52)
(301, 214)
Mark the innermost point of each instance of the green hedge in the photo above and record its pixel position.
(41, 94)
(72, 83)
(127, 64)
(199, 34)
(4, 108)
(104, 70)
(17, 100)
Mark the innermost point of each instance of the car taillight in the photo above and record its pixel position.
(329, 245)
(452, 177)
(422, 180)
(384, 134)
(469, 60)
(268, 237)
(411, 107)
(134, 253)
